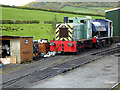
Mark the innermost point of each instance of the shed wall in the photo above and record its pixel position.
(26, 49)
(15, 49)
(115, 17)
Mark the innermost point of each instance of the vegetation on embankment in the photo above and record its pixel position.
(95, 7)
(39, 31)
(57, 11)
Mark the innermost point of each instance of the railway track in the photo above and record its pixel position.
(108, 51)
(114, 86)
(38, 75)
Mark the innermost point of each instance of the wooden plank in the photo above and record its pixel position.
(44, 47)
(13, 59)
(26, 49)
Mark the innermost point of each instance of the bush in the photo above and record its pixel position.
(48, 22)
(18, 21)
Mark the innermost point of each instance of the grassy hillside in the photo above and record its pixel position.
(59, 5)
(85, 10)
(23, 14)
(37, 30)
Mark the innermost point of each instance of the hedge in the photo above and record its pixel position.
(50, 22)
(18, 21)
(49, 10)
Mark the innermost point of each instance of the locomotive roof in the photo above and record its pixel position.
(80, 18)
(106, 20)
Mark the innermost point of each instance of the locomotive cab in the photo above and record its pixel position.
(102, 28)
(103, 31)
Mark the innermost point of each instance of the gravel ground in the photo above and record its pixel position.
(31, 67)
(102, 73)
(17, 70)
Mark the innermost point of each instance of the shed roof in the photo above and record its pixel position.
(112, 9)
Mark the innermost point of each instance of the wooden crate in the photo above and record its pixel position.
(44, 47)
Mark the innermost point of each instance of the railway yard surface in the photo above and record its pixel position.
(96, 68)
(102, 73)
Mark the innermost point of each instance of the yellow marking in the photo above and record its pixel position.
(65, 39)
(69, 38)
(57, 25)
(61, 25)
(57, 29)
(57, 34)
(70, 30)
(57, 38)
(70, 35)
(66, 25)
(71, 26)
(61, 39)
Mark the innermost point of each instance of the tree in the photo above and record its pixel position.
(51, 32)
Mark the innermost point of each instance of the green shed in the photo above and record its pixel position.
(114, 15)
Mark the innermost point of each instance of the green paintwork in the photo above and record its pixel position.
(115, 17)
(76, 19)
(85, 31)
(80, 30)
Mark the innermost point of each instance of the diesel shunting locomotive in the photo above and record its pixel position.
(78, 33)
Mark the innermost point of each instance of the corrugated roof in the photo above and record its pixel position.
(112, 9)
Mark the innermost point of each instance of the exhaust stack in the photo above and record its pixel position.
(65, 19)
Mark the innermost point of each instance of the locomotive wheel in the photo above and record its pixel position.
(62, 52)
(100, 44)
(104, 44)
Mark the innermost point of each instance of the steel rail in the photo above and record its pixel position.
(58, 69)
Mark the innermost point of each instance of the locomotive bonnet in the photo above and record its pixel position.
(77, 28)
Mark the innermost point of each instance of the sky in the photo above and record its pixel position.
(15, 2)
